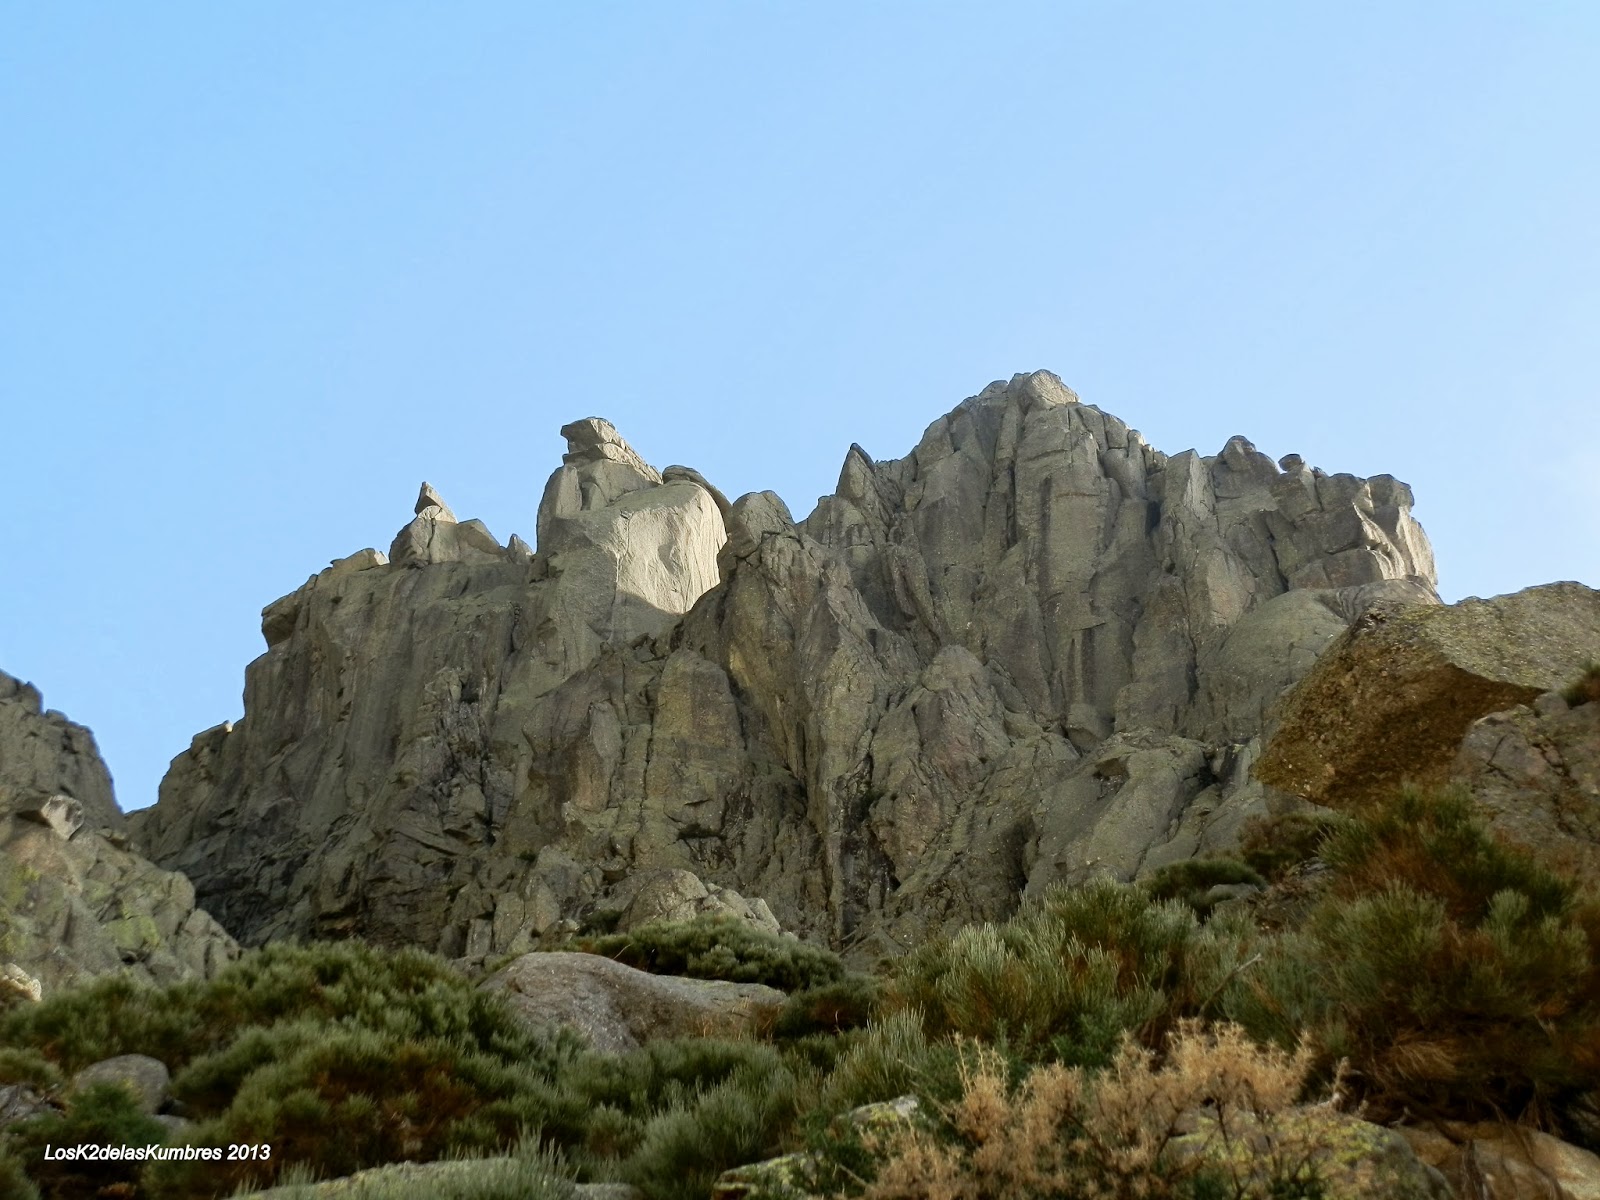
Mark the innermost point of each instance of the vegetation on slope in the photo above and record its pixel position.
(1452, 975)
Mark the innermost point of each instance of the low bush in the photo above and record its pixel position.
(355, 1098)
(1190, 880)
(1133, 1130)
(31, 1069)
(1066, 978)
(744, 1119)
(1459, 975)
(720, 947)
(1432, 842)
(847, 1003)
(1272, 845)
(525, 1176)
(14, 1181)
(407, 993)
(1455, 1018)
(103, 1114)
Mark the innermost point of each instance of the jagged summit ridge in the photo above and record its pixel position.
(1033, 648)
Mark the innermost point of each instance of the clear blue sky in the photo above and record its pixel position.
(266, 266)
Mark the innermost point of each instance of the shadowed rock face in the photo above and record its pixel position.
(1033, 649)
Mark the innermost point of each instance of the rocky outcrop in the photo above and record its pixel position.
(1033, 649)
(75, 901)
(616, 1008)
(1393, 700)
(47, 761)
(1534, 771)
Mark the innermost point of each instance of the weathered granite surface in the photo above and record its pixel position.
(1033, 649)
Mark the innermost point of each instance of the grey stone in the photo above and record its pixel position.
(673, 894)
(1354, 1158)
(1536, 779)
(146, 1079)
(617, 1008)
(676, 472)
(62, 815)
(361, 560)
(17, 986)
(43, 754)
(20, 1103)
(428, 497)
(177, 1127)
(1550, 704)
(77, 902)
(1033, 649)
(1222, 892)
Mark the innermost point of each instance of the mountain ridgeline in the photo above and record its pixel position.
(1034, 649)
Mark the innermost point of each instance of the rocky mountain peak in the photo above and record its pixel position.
(1035, 648)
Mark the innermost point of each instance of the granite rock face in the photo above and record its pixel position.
(75, 901)
(1534, 771)
(1032, 650)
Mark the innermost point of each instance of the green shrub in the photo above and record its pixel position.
(892, 1057)
(1066, 978)
(847, 1003)
(668, 1073)
(529, 1175)
(1273, 844)
(357, 1098)
(102, 1114)
(720, 947)
(14, 1183)
(1460, 976)
(742, 1120)
(1586, 688)
(1466, 1020)
(407, 993)
(1433, 843)
(1191, 879)
(30, 1068)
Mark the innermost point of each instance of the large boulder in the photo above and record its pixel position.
(1393, 699)
(1507, 1162)
(1033, 648)
(617, 1008)
(19, 1103)
(144, 1078)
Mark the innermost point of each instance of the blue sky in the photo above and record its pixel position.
(268, 266)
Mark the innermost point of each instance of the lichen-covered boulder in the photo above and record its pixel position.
(617, 1008)
(1393, 698)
